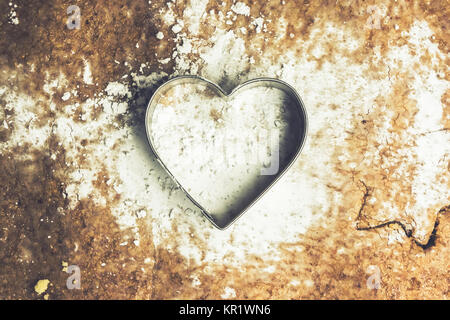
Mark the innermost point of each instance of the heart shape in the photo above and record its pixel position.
(225, 150)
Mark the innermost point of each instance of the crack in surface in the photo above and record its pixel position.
(408, 232)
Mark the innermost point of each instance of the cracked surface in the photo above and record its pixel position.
(371, 188)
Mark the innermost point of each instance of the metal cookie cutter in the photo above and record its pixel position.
(301, 124)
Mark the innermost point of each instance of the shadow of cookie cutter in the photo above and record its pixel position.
(258, 82)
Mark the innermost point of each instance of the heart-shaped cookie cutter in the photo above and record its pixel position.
(257, 82)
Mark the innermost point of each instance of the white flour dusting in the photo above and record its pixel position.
(12, 16)
(241, 8)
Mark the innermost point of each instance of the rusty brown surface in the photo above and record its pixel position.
(32, 189)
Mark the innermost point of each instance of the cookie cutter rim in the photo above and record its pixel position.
(256, 82)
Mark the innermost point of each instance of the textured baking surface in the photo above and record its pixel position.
(371, 191)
